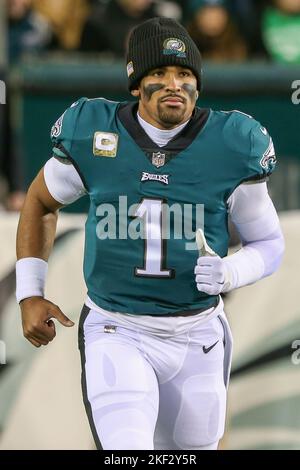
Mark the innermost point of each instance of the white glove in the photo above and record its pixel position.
(212, 276)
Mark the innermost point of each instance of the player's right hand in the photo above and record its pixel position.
(38, 327)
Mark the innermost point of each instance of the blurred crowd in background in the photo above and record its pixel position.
(224, 30)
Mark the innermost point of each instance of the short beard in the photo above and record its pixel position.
(170, 118)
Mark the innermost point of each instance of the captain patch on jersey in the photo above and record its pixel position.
(105, 144)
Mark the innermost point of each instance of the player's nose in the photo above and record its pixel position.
(173, 82)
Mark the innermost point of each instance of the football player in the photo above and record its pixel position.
(154, 339)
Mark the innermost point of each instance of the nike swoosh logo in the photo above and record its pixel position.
(206, 350)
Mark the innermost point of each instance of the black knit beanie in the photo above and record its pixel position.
(158, 42)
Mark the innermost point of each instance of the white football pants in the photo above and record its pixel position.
(155, 382)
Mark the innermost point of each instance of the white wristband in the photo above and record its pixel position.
(30, 278)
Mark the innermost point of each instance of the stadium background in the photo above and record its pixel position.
(40, 397)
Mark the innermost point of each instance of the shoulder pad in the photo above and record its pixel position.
(63, 128)
(246, 136)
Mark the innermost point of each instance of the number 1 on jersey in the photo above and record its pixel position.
(151, 210)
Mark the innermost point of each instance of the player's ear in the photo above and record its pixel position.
(136, 92)
(197, 95)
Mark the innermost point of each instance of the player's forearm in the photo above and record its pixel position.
(254, 261)
(35, 238)
(260, 256)
(256, 220)
(36, 230)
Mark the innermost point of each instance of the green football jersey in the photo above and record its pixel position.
(146, 202)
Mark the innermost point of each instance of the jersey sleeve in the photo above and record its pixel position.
(262, 158)
(63, 130)
(252, 143)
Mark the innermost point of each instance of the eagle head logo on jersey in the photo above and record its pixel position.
(268, 160)
(174, 46)
(57, 127)
(158, 159)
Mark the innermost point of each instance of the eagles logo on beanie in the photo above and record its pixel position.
(160, 42)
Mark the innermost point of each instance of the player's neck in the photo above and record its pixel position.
(160, 136)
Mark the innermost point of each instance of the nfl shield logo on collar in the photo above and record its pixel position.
(158, 159)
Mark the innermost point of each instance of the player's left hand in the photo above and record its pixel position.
(210, 274)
